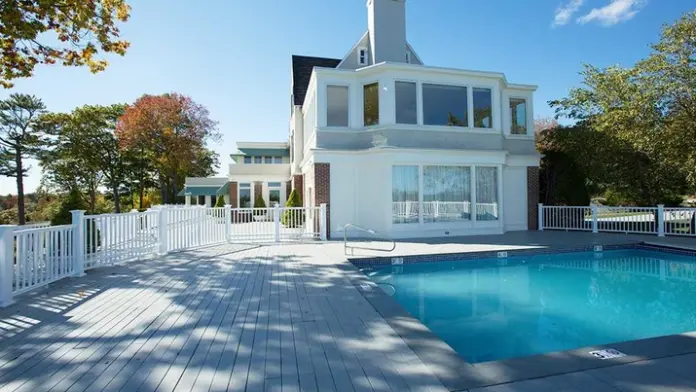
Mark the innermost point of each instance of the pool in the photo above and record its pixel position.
(493, 309)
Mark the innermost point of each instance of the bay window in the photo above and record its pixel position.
(406, 103)
(445, 105)
(483, 105)
(446, 193)
(337, 106)
(405, 194)
(486, 193)
(518, 116)
(371, 104)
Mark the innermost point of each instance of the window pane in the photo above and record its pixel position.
(245, 198)
(371, 104)
(267, 159)
(406, 103)
(201, 200)
(247, 159)
(213, 200)
(278, 159)
(482, 108)
(518, 113)
(274, 185)
(405, 194)
(258, 159)
(446, 193)
(274, 196)
(445, 105)
(486, 193)
(245, 185)
(337, 106)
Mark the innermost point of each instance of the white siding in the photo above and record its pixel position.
(515, 198)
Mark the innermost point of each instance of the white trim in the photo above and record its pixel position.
(259, 145)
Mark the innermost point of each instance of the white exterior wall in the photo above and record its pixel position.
(515, 197)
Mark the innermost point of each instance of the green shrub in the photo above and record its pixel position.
(74, 201)
(293, 218)
(259, 203)
(220, 202)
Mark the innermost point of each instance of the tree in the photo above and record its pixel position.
(220, 201)
(293, 217)
(83, 29)
(638, 136)
(544, 123)
(20, 138)
(172, 131)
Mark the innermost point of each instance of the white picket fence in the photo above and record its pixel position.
(659, 220)
(32, 257)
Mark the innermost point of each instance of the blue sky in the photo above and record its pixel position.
(233, 56)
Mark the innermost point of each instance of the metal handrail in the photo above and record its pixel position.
(369, 231)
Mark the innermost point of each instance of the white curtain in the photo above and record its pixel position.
(446, 193)
(486, 193)
(405, 194)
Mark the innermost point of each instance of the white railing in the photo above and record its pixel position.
(657, 220)
(34, 257)
(443, 210)
(33, 225)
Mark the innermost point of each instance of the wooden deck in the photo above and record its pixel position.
(215, 319)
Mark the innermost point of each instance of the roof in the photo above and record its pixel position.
(199, 191)
(273, 152)
(302, 67)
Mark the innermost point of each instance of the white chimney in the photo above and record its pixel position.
(386, 21)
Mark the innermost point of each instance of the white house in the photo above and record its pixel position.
(409, 149)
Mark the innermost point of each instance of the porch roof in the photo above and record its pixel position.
(223, 190)
(199, 191)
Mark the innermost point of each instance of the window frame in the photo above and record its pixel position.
(419, 101)
(362, 92)
(258, 160)
(348, 87)
(473, 108)
(277, 160)
(469, 103)
(362, 56)
(267, 159)
(248, 160)
(408, 56)
(526, 115)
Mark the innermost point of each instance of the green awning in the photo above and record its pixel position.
(223, 190)
(199, 191)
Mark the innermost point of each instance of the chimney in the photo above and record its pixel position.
(386, 21)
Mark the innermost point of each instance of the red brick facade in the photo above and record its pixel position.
(258, 190)
(322, 191)
(298, 185)
(532, 198)
(232, 190)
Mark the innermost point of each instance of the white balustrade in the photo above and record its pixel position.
(34, 257)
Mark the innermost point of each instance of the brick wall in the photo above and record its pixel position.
(532, 198)
(322, 191)
(298, 184)
(232, 189)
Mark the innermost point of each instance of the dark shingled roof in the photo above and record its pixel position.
(302, 67)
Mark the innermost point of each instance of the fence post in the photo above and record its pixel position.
(201, 224)
(228, 222)
(540, 215)
(78, 224)
(322, 221)
(6, 264)
(162, 218)
(276, 221)
(595, 216)
(660, 220)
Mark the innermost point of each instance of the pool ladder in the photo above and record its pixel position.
(373, 233)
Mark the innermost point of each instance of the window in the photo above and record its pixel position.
(247, 160)
(245, 195)
(371, 104)
(446, 193)
(274, 185)
(518, 115)
(267, 159)
(213, 200)
(445, 105)
(337, 106)
(406, 103)
(362, 56)
(486, 193)
(258, 160)
(277, 159)
(408, 56)
(405, 194)
(201, 200)
(274, 197)
(483, 108)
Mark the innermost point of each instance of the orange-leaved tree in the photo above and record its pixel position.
(170, 131)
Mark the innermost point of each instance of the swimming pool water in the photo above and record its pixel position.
(504, 308)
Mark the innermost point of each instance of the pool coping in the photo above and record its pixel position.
(456, 374)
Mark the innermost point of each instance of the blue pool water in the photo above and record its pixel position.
(538, 304)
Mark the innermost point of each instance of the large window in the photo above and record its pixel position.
(518, 115)
(371, 104)
(274, 197)
(247, 160)
(446, 193)
(483, 108)
(486, 193)
(445, 105)
(406, 103)
(277, 159)
(405, 194)
(245, 195)
(258, 160)
(337, 106)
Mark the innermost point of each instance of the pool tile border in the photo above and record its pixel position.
(456, 374)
